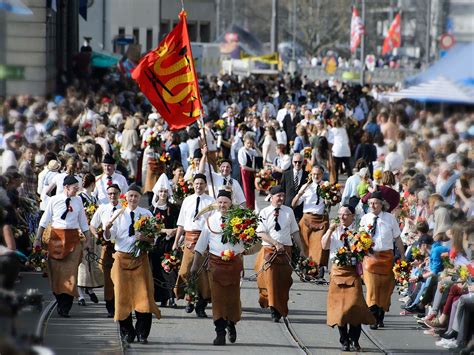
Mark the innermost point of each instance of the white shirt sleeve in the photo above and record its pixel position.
(242, 157)
(294, 225)
(47, 216)
(203, 241)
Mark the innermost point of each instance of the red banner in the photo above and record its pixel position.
(393, 39)
(168, 79)
(357, 30)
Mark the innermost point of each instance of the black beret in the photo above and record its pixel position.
(225, 193)
(108, 159)
(70, 180)
(226, 161)
(197, 154)
(276, 190)
(200, 176)
(136, 188)
(377, 195)
(425, 239)
(351, 208)
(115, 186)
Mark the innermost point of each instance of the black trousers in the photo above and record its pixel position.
(142, 326)
(338, 165)
(349, 332)
(378, 312)
(64, 302)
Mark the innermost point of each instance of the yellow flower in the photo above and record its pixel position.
(463, 273)
(235, 230)
(403, 263)
(235, 220)
(250, 232)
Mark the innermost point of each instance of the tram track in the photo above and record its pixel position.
(286, 325)
(42, 324)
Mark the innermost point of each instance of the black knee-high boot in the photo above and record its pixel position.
(220, 324)
(375, 311)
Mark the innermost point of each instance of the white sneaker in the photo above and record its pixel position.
(442, 342)
(450, 344)
(404, 299)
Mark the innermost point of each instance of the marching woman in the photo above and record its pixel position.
(164, 243)
(90, 276)
(346, 305)
(246, 157)
(224, 268)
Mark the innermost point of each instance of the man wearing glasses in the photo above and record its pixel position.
(315, 221)
(292, 181)
(103, 215)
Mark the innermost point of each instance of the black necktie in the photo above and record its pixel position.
(131, 228)
(295, 181)
(227, 181)
(114, 209)
(318, 190)
(277, 213)
(197, 206)
(68, 203)
(374, 228)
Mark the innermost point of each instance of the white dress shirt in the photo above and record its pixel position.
(59, 179)
(386, 231)
(47, 179)
(286, 219)
(120, 228)
(242, 156)
(283, 162)
(213, 240)
(211, 140)
(75, 218)
(310, 200)
(340, 142)
(281, 137)
(188, 210)
(350, 188)
(101, 186)
(238, 196)
(103, 215)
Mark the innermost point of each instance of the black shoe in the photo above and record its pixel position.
(220, 339)
(129, 338)
(381, 324)
(232, 332)
(81, 302)
(93, 297)
(110, 315)
(142, 340)
(63, 313)
(320, 273)
(201, 313)
(189, 308)
(356, 346)
(173, 304)
(346, 346)
(374, 326)
(164, 304)
(276, 316)
(452, 334)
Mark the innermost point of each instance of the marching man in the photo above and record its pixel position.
(104, 214)
(225, 265)
(132, 277)
(108, 178)
(191, 225)
(278, 229)
(66, 214)
(378, 275)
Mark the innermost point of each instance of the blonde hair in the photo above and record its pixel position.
(129, 123)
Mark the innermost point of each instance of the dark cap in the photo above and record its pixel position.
(377, 195)
(208, 119)
(134, 187)
(425, 239)
(276, 190)
(351, 208)
(197, 154)
(115, 186)
(226, 161)
(70, 180)
(108, 159)
(200, 176)
(225, 193)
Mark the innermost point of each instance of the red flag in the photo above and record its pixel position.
(357, 30)
(393, 39)
(168, 79)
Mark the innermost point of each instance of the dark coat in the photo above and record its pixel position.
(290, 190)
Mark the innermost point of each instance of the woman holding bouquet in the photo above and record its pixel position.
(131, 274)
(89, 276)
(346, 305)
(169, 214)
(224, 268)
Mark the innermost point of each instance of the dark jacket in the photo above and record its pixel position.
(290, 190)
(290, 126)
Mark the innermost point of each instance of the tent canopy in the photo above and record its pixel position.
(439, 90)
(457, 65)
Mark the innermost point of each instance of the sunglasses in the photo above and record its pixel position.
(297, 162)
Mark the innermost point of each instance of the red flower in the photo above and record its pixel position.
(37, 248)
(222, 225)
(109, 182)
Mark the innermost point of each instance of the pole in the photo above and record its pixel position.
(234, 10)
(274, 31)
(428, 29)
(159, 22)
(218, 18)
(3, 47)
(205, 143)
(294, 31)
(362, 48)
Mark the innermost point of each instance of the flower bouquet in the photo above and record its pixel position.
(264, 179)
(402, 271)
(171, 261)
(307, 266)
(90, 209)
(331, 193)
(153, 140)
(221, 126)
(100, 240)
(182, 190)
(240, 225)
(462, 273)
(361, 244)
(228, 255)
(447, 262)
(191, 291)
(147, 227)
(417, 254)
(344, 257)
(123, 201)
(165, 157)
(38, 260)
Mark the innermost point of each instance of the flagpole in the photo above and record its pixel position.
(207, 158)
(362, 48)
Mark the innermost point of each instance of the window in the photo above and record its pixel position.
(149, 39)
(120, 48)
(205, 32)
(121, 31)
(136, 35)
(192, 30)
(164, 29)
